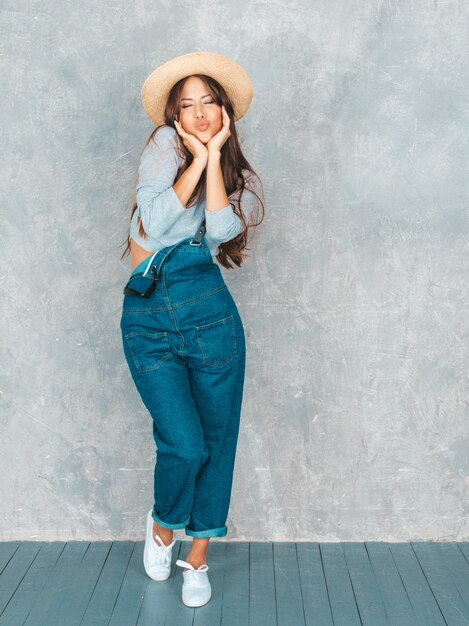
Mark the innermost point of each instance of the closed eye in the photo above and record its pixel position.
(184, 106)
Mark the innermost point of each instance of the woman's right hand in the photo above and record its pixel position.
(194, 145)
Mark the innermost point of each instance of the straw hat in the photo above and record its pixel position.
(227, 72)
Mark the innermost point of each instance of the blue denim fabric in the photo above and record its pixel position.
(185, 348)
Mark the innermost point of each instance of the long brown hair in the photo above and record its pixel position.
(232, 163)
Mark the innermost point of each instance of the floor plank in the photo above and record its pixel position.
(280, 584)
(107, 587)
(287, 585)
(454, 610)
(7, 550)
(368, 597)
(75, 598)
(15, 569)
(129, 600)
(235, 608)
(32, 584)
(262, 608)
(313, 585)
(60, 582)
(456, 566)
(341, 596)
(393, 593)
(425, 607)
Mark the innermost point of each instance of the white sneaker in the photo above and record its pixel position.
(196, 588)
(156, 558)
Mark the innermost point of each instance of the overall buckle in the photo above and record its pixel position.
(133, 292)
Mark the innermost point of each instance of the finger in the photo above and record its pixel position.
(179, 128)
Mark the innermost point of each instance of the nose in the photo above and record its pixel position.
(198, 111)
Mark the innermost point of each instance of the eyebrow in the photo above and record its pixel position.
(207, 94)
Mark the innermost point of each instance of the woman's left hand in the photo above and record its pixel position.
(217, 141)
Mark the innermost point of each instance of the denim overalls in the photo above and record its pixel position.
(185, 346)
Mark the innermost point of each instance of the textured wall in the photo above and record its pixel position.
(355, 300)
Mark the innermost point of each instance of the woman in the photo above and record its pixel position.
(182, 334)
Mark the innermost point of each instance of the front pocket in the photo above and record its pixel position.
(217, 342)
(149, 350)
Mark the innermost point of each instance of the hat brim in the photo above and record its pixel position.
(226, 71)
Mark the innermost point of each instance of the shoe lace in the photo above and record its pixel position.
(163, 553)
(192, 577)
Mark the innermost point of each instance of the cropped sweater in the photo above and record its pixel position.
(165, 219)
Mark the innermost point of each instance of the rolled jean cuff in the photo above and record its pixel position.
(201, 534)
(166, 525)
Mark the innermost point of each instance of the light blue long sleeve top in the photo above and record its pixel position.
(165, 219)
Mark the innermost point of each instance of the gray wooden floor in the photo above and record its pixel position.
(265, 584)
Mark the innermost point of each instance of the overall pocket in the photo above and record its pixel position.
(149, 350)
(217, 342)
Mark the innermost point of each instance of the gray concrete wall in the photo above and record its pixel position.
(355, 301)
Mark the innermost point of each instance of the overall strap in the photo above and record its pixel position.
(199, 234)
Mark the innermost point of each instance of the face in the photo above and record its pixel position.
(197, 107)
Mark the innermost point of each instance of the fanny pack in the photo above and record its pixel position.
(153, 276)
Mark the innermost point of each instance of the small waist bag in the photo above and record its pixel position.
(153, 275)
